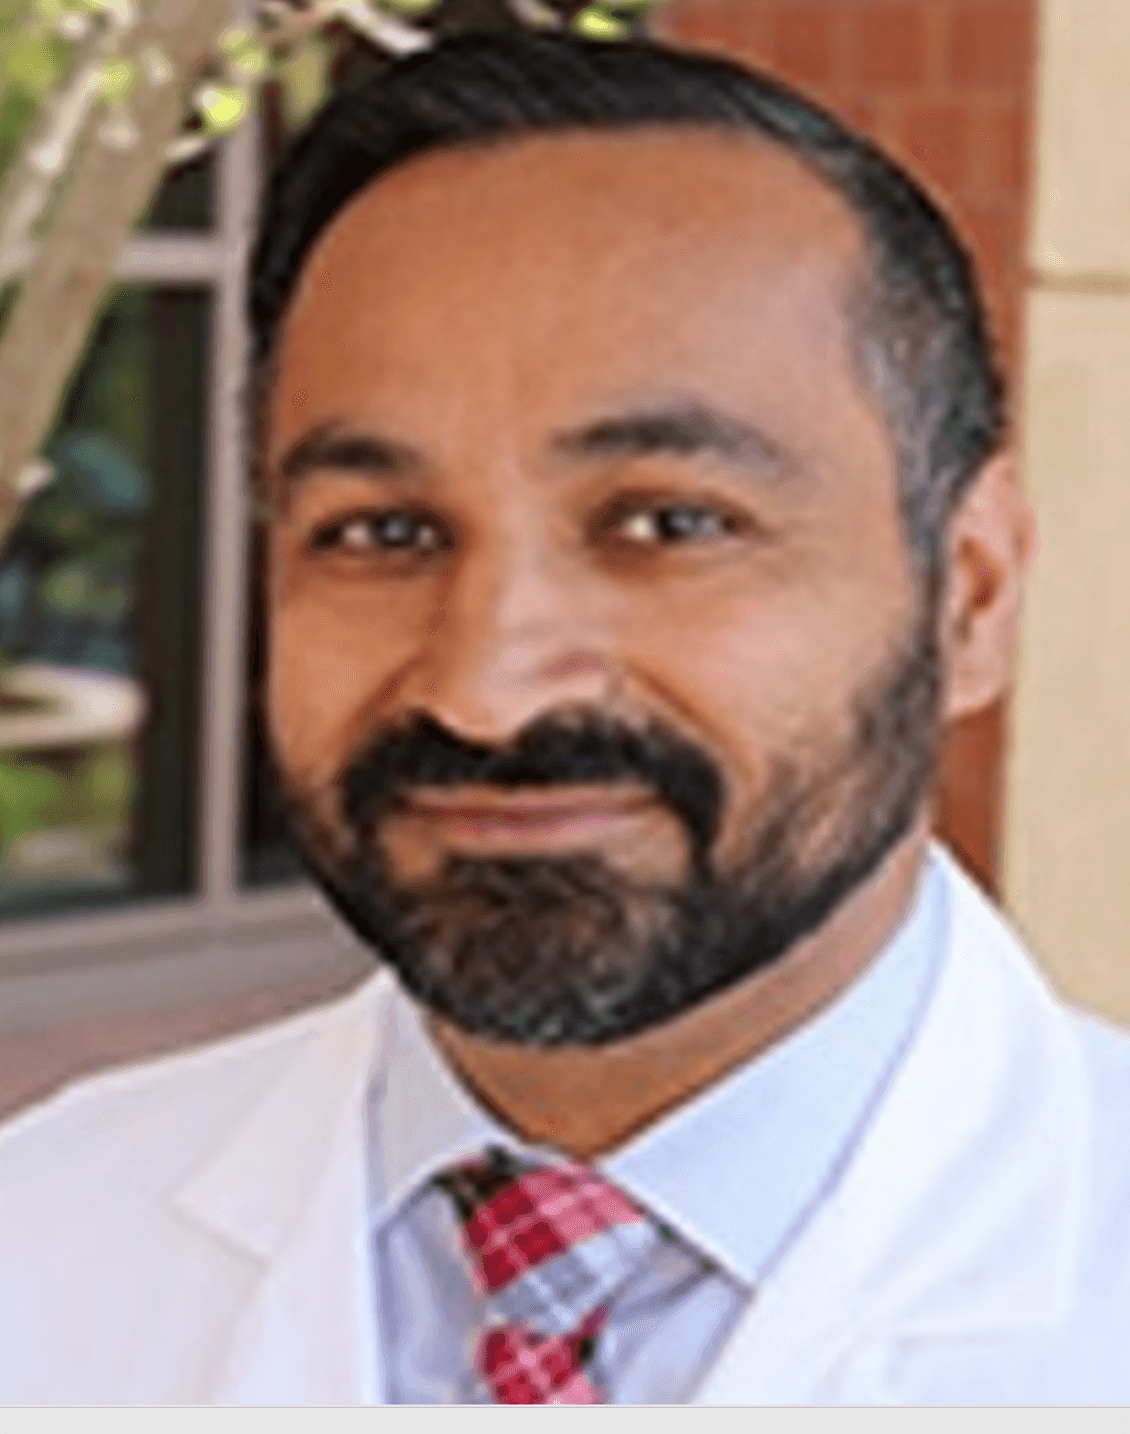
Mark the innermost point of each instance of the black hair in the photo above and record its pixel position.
(919, 333)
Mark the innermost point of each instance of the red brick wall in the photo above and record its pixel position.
(947, 87)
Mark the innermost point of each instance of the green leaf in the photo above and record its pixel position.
(248, 58)
(305, 79)
(595, 22)
(17, 110)
(29, 795)
(117, 80)
(410, 7)
(36, 64)
(12, 12)
(106, 786)
(222, 107)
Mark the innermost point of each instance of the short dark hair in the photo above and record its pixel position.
(920, 338)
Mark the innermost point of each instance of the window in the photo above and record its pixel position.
(99, 597)
(141, 843)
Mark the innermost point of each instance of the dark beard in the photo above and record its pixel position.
(553, 951)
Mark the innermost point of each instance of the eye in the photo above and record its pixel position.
(397, 530)
(673, 523)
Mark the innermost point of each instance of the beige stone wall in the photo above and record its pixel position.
(1067, 854)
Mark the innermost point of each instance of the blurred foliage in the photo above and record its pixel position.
(31, 796)
(17, 110)
(305, 79)
(33, 59)
(97, 793)
(35, 63)
(38, 44)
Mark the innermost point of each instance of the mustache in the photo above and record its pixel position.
(553, 751)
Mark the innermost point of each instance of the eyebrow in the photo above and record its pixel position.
(332, 446)
(687, 429)
(682, 430)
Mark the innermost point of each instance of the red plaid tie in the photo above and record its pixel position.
(548, 1245)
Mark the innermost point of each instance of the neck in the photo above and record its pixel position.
(588, 1100)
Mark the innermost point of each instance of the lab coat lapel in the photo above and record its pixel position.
(960, 1215)
(289, 1188)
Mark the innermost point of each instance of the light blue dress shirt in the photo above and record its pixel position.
(735, 1175)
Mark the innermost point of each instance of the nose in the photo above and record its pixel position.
(520, 632)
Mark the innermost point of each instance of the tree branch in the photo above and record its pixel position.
(65, 279)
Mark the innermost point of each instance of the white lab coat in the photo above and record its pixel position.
(193, 1230)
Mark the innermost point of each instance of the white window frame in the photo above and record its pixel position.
(218, 944)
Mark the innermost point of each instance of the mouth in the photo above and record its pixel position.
(524, 819)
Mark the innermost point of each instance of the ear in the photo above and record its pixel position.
(990, 543)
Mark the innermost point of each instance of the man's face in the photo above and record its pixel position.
(597, 672)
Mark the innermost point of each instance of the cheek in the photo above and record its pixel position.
(746, 653)
(774, 679)
(328, 663)
(307, 687)
(756, 685)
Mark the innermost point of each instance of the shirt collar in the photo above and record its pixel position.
(737, 1169)
(740, 1168)
(419, 1117)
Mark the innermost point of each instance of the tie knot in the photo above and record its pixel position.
(519, 1217)
(549, 1245)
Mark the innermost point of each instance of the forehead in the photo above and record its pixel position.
(648, 193)
(682, 172)
(599, 263)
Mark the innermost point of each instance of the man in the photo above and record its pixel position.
(638, 516)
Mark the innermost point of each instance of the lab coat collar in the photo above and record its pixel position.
(258, 1185)
(287, 1187)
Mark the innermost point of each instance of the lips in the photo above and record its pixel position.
(524, 814)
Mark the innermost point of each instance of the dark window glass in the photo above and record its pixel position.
(99, 626)
(186, 199)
